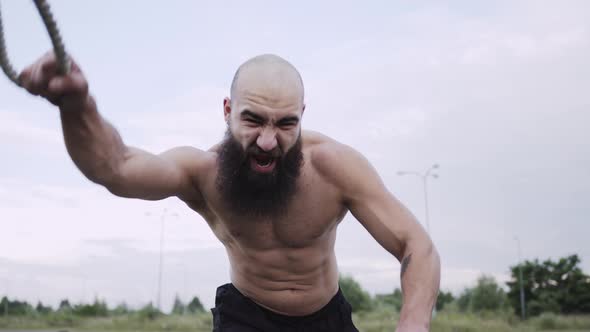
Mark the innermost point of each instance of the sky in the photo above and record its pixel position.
(495, 93)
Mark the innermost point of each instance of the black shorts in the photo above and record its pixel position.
(235, 312)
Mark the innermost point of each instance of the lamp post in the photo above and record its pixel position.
(424, 176)
(165, 213)
(522, 299)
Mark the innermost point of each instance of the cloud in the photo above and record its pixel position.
(20, 129)
(190, 117)
(125, 274)
(496, 94)
(64, 217)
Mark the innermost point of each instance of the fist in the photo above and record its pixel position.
(41, 79)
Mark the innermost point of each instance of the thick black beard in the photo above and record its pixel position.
(249, 193)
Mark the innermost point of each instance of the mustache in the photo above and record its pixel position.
(255, 150)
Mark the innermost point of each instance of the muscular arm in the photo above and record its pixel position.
(97, 149)
(396, 230)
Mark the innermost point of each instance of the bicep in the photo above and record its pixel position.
(156, 176)
(391, 224)
(384, 217)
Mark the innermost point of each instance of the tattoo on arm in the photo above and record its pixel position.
(405, 263)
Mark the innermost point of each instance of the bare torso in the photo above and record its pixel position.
(288, 264)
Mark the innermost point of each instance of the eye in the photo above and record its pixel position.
(252, 122)
(287, 124)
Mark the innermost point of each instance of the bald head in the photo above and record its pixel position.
(266, 104)
(268, 76)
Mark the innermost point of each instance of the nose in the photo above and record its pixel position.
(267, 140)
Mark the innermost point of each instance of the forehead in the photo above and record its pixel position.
(273, 86)
(267, 99)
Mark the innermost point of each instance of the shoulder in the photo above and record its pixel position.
(324, 151)
(195, 163)
(188, 156)
(336, 162)
(346, 169)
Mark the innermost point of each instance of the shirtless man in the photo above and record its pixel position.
(272, 193)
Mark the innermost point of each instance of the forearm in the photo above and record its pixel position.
(93, 144)
(420, 278)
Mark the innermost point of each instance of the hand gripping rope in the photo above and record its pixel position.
(58, 46)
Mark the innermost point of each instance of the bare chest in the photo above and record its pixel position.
(311, 214)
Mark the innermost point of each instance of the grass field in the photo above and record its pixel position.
(375, 321)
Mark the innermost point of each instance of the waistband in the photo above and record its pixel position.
(335, 307)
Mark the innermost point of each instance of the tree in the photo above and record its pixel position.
(391, 300)
(559, 287)
(359, 299)
(195, 305)
(96, 309)
(443, 299)
(41, 309)
(149, 312)
(179, 308)
(15, 307)
(121, 309)
(64, 305)
(486, 295)
(464, 300)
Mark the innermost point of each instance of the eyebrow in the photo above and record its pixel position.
(248, 113)
(257, 117)
(292, 118)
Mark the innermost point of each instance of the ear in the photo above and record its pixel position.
(303, 110)
(226, 109)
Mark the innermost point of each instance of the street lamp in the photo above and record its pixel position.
(165, 214)
(424, 176)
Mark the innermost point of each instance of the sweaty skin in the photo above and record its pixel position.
(286, 264)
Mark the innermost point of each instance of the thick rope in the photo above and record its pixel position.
(6, 66)
(58, 46)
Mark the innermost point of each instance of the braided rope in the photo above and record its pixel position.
(6, 66)
(58, 46)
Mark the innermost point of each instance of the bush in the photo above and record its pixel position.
(393, 300)
(120, 309)
(443, 299)
(552, 321)
(358, 298)
(148, 312)
(485, 296)
(195, 305)
(17, 308)
(546, 321)
(62, 319)
(551, 286)
(97, 309)
(178, 308)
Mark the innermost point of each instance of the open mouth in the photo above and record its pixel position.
(263, 163)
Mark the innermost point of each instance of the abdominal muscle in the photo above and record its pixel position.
(293, 282)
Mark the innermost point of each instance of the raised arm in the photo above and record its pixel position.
(394, 227)
(97, 149)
